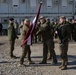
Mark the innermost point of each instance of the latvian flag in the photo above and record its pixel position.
(29, 34)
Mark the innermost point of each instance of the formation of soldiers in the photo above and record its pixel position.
(45, 32)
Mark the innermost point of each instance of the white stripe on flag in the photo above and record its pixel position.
(29, 38)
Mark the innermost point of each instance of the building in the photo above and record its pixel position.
(20, 9)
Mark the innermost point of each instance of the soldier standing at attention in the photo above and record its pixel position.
(25, 48)
(12, 36)
(45, 31)
(63, 30)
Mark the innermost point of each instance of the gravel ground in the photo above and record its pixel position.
(9, 66)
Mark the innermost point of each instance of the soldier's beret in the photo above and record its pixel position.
(63, 17)
(11, 19)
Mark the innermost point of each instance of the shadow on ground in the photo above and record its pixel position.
(2, 44)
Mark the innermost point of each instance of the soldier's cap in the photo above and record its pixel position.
(63, 17)
(41, 17)
(27, 20)
(11, 19)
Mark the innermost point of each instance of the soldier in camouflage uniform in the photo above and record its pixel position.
(25, 48)
(12, 36)
(46, 32)
(52, 46)
(63, 30)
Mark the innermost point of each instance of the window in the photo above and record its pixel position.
(4, 20)
(49, 3)
(56, 1)
(70, 1)
(33, 3)
(22, 1)
(64, 3)
(4, 1)
(15, 3)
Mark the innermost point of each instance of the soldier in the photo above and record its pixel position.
(63, 30)
(25, 48)
(45, 31)
(52, 46)
(12, 36)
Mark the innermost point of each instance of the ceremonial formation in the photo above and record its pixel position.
(45, 31)
(42, 29)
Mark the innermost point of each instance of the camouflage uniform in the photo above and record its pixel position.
(48, 43)
(52, 35)
(12, 36)
(63, 34)
(25, 48)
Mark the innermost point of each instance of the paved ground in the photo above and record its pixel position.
(10, 66)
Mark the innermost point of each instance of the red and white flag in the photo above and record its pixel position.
(30, 33)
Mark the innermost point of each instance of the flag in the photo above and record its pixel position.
(30, 33)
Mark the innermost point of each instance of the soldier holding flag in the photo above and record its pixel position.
(25, 48)
(27, 35)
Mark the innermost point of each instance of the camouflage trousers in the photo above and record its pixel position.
(25, 51)
(63, 53)
(11, 43)
(51, 48)
(49, 45)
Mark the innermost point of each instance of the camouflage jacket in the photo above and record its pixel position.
(46, 31)
(64, 32)
(11, 31)
(25, 29)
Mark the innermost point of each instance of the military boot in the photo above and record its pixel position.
(62, 64)
(64, 67)
(11, 55)
(29, 59)
(21, 65)
(43, 62)
(54, 60)
(30, 62)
